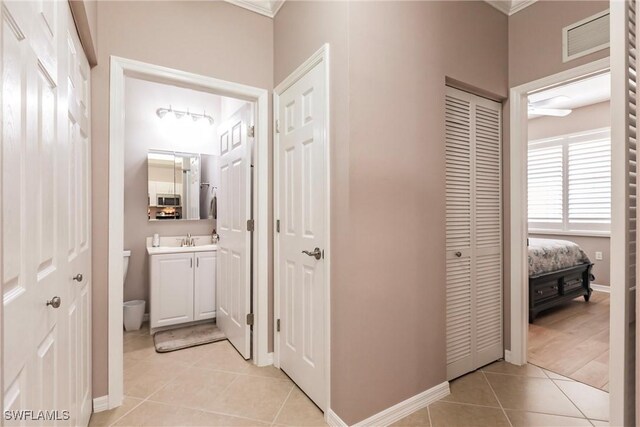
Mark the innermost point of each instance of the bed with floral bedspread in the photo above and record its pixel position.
(559, 271)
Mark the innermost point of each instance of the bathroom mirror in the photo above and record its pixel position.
(181, 186)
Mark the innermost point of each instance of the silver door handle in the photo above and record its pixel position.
(55, 302)
(78, 277)
(317, 253)
(458, 254)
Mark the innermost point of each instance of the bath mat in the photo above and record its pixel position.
(189, 336)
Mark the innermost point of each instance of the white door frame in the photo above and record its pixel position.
(321, 56)
(519, 230)
(121, 67)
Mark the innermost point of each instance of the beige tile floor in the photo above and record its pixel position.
(502, 394)
(213, 385)
(210, 385)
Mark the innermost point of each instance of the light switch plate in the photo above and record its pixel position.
(598, 256)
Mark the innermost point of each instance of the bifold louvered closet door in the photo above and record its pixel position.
(474, 232)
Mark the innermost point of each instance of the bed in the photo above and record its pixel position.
(559, 271)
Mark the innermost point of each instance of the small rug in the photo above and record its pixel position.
(189, 336)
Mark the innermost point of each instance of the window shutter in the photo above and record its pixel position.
(589, 183)
(545, 168)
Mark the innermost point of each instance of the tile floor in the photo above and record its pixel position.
(209, 385)
(502, 394)
(212, 385)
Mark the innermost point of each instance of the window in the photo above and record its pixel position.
(570, 183)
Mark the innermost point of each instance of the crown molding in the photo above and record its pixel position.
(264, 7)
(509, 7)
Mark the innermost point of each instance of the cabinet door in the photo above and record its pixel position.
(205, 286)
(171, 289)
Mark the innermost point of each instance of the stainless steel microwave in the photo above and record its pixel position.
(168, 200)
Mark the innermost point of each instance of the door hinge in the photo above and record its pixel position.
(250, 225)
(277, 226)
(277, 126)
(278, 325)
(250, 319)
(251, 131)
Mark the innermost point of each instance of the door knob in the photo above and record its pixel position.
(78, 277)
(458, 254)
(55, 302)
(317, 253)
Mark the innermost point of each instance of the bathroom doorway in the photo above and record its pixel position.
(253, 137)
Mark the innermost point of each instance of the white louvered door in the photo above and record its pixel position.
(622, 380)
(473, 232)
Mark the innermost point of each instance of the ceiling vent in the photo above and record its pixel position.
(586, 36)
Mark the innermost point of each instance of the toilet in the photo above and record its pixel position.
(126, 255)
(133, 310)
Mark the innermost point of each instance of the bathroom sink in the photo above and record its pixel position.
(173, 245)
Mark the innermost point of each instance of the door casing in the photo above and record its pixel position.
(120, 68)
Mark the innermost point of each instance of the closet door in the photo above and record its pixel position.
(473, 232)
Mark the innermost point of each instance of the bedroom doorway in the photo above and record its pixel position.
(569, 226)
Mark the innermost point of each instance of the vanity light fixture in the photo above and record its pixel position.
(161, 112)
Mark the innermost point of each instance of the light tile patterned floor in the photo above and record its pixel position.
(502, 394)
(210, 385)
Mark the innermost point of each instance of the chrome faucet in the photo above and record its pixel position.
(188, 241)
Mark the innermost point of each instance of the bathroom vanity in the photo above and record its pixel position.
(182, 281)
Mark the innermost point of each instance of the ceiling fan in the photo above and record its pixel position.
(540, 108)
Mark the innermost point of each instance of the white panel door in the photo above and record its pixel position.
(624, 214)
(205, 286)
(233, 285)
(473, 232)
(172, 290)
(301, 185)
(34, 209)
(78, 249)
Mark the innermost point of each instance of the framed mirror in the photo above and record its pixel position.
(181, 186)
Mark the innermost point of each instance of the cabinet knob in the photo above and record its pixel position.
(540, 292)
(458, 254)
(78, 277)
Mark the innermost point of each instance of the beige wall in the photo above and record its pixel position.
(581, 119)
(535, 51)
(231, 44)
(389, 61)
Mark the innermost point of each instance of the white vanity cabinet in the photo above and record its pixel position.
(183, 286)
(204, 306)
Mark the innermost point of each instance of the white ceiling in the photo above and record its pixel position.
(581, 93)
(271, 7)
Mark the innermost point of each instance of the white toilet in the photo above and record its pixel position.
(126, 255)
(133, 310)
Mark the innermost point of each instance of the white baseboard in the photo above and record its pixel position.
(400, 410)
(101, 403)
(600, 288)
(333, 419)
(507, 356)
(269, 359)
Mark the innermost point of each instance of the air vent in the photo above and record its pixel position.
(586, 36)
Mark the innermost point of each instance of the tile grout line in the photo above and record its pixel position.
(570, 400)
(429, 415)
(496, 396)
(123, 415)
(202, 410)
(283, 403)
(515, 410)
